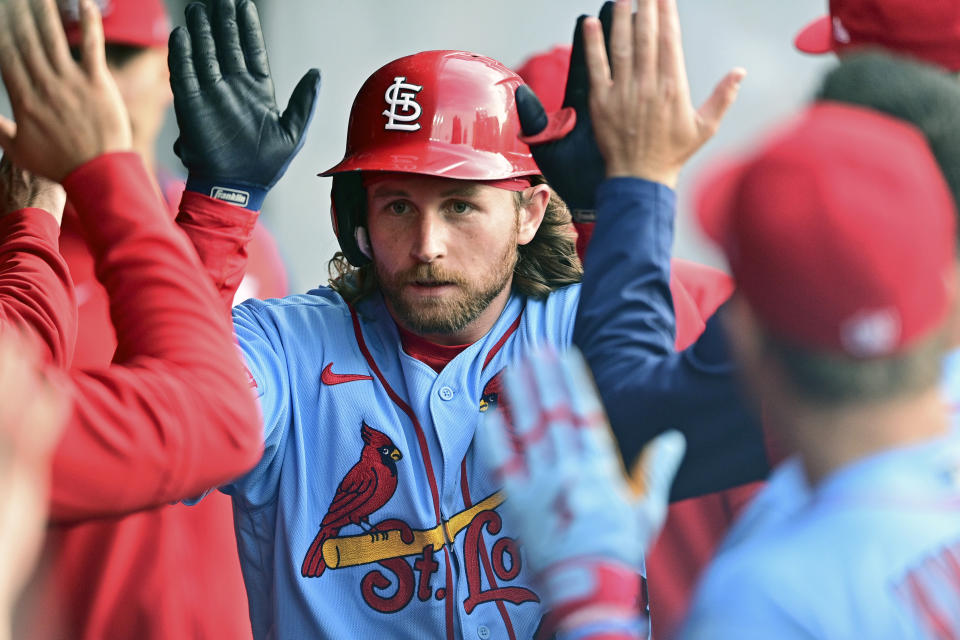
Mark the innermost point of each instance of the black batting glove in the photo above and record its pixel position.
(233, 139)
(562, 143)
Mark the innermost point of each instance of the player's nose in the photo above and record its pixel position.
(429, 242)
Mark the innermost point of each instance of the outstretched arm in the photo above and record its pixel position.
(173, 415)
(234, 141)
(628, 113)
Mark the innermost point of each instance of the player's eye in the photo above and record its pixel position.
(399, 207)
(460, 207)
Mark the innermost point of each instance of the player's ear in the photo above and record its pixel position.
(534, 207)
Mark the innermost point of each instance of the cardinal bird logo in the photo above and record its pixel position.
(369, 484)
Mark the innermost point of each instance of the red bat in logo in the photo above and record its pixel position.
(368, 485)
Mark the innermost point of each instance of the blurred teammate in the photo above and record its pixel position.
(847, 360)
(173, 410)
(695, 527)
(176, 553)
(927, 31)
(456, 260)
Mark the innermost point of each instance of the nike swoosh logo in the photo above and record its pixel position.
(327, 376)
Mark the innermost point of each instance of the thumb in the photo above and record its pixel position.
(533, 117)
(296, 118)
(652, 474)
(712, 111)
(651, 478)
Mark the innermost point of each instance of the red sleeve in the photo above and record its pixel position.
(35, 287)
(173, 416)
(220, 233)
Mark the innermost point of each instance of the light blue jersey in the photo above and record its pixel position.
(950, 385)
(872, 552)
(360, 434)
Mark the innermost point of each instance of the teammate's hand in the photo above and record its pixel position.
(33, 408)
(562, 143)
(20, 189)
(64, 113)
(232, 133)
(643, 118)
(566, 488)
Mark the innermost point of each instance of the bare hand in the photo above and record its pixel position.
(20, 189)
(643, 118)
(64, 113)
(33, 409)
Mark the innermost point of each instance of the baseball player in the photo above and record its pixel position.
(849, 361)
(175, 552)
(694, 527)
(175, 390)
(456, 260)
(856, 535)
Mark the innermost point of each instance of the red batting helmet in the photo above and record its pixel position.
(449, 114)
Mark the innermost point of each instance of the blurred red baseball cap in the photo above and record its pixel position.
(924, 29)
(546, 74)
(839, 231)
(140, 23)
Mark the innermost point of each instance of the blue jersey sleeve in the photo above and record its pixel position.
(263, 353)
(625, 328)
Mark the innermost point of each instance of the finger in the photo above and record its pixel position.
(711, 113)
(183, 75)
(92, 52)
(45, 415)
(27, 40)
(229, 51)
(606, 22)
(657, 465)
(52, 36)
(14, 72)
(620, 43)
(494, 445)
(645, 40)
(296, 119)
(204, 48)
(671, 65)
(533, 117)
(598, 67)
(8, 132)
(578, 79)
(251, 37)
(18, 381)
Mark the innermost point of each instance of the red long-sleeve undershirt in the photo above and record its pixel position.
(173, 415)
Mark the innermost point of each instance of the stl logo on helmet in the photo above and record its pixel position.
(402, 95)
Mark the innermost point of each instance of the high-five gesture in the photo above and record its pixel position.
(64, 113)
(644, 121)
(232, 134)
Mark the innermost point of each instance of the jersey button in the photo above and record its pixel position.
(446, 393)
(483, 632)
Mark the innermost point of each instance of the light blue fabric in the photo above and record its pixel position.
(313, 438)
(856, 557)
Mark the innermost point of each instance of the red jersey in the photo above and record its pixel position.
(161, 573)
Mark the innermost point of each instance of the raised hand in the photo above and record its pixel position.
(643, 119)
(64, 113)
(232, 134)
(567, 492)
(562, 143)
(20, 189)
